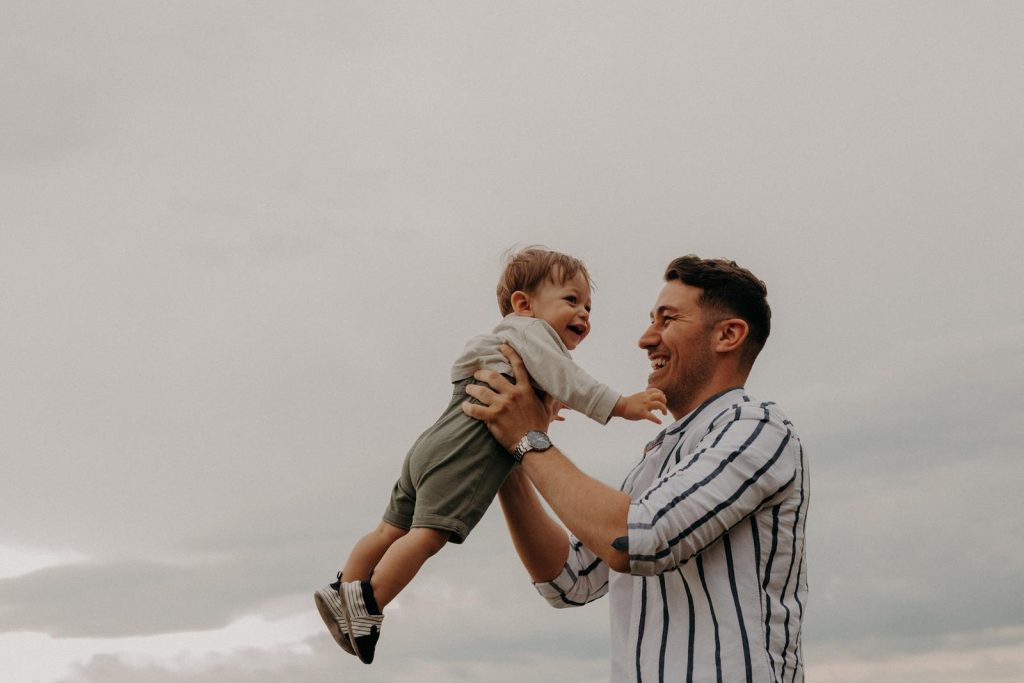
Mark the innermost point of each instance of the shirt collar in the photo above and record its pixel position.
(719, 399)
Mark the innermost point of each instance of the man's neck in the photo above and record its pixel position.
(709, 391)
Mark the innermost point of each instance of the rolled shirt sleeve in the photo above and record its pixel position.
(745, 461)
(584, 578)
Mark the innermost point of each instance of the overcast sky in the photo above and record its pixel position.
(241, 244)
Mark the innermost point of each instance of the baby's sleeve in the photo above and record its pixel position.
(554, 371)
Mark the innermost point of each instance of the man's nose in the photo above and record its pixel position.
(648, 339)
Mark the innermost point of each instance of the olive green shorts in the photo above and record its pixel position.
(451, 474)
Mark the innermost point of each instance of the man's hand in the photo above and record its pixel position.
(595, 513)
(509, 410)
(641, 406)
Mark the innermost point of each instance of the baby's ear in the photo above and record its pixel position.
(520, 303)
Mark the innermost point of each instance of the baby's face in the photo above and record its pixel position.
(566, 307)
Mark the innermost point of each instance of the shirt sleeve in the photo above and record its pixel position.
(551, 367)
(584, 578)
(748, 458)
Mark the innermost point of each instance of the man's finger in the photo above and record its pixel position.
(482, 393)
(475, 411)
(652, 417)
(494, 380)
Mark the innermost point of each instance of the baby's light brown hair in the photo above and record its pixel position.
(528, 267)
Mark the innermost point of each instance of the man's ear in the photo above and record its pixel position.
(520, 303)
(730, 334)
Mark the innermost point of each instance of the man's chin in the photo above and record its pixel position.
(656, 380)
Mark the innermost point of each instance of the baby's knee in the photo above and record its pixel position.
(390, 532)
(432, 540)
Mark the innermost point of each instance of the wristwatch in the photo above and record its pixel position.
(531, 441)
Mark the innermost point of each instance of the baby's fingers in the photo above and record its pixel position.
(648, 415)
(656, 403)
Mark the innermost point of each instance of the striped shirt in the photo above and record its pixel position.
(718, 582)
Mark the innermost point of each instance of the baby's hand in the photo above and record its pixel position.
(641, 406)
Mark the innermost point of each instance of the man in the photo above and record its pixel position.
(702, 550)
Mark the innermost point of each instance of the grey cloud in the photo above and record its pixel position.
(239, 250)
(122, 599)
(276, 559)
(919, 404)
(325, 663)
(915, 559)
(914, 516)
(226, 570)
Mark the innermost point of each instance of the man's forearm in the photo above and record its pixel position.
(542, 544)
(595, 513)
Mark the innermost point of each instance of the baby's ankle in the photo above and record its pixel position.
(368, 597)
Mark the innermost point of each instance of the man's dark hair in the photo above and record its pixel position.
(730, 290)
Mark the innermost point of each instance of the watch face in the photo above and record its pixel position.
(538, 440)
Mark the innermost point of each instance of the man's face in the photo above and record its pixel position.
(679, 345)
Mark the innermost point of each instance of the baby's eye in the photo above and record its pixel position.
(571, 299)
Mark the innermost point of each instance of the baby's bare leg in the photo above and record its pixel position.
(368, 551)
(402, 560)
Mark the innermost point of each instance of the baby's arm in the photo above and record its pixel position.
(641, 406)
(553, 370)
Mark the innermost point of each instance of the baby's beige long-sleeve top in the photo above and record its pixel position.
(546, 358)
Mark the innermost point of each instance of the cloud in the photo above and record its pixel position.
(203, 583)
(913, 518)
(125, 598)
(997, 656)
(319, 660)
(17, 561)
(272, 563)
(915, 558)
(443, 628)
(240, 249)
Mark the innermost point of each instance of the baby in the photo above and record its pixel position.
(453, 471)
